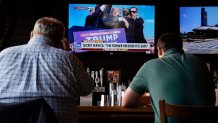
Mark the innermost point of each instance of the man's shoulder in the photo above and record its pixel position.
(190, 56)
(140, 20)
(12, 49)
(152, 61)
(66, 54)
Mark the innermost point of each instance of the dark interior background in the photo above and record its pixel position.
(22, 14)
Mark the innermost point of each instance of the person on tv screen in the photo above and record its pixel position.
(93, 16)
(40, 69)
(116, 12)
(91, 11)
(174, 76)
(130, 35)
(139, 34)
(106, 20)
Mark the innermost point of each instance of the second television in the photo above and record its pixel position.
(111, 28)
(199, 29)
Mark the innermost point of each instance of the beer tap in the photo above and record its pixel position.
(101, 77)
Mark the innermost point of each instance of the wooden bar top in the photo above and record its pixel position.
(107, 114)
(115, 109)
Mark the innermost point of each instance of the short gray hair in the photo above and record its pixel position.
(51, 28)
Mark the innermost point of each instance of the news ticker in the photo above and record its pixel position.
(113, 46)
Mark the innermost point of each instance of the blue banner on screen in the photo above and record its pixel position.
(104, 36)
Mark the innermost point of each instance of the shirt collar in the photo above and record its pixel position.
(171, 51)
(40, 40)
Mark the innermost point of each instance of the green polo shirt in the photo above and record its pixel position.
(177, 78)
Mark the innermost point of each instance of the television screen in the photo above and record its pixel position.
(109, 27)
(199, 29)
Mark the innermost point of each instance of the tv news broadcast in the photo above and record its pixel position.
(107, 27)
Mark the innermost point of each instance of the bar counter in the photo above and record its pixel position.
(115, 114)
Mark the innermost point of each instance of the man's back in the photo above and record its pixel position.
(176, 78)
(40, 70)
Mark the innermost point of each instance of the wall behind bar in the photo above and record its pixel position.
(25, 12)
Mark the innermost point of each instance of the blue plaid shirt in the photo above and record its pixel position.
(38, 69)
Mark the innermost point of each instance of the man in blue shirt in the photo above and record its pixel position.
(174, 76)
(40, 69)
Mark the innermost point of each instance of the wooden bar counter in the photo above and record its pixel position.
(106, 114)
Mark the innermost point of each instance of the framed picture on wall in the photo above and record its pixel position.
(113, 75)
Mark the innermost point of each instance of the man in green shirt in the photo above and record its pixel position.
(174, 76)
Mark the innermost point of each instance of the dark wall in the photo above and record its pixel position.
(25, 12)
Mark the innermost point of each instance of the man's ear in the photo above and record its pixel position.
(31, 34)
(160, 52)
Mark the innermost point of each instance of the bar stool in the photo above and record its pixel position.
(34, 111)
(187, 112)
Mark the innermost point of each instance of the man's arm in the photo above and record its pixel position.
(130, 98)
(84, 80)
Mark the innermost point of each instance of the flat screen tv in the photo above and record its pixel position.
(199, 29)
(111, 28)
